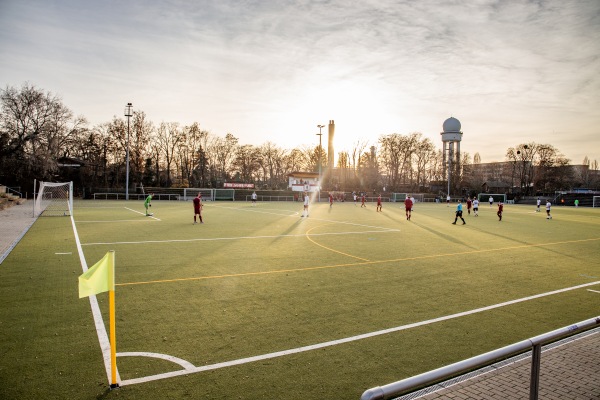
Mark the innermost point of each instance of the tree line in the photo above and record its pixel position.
(38, 134)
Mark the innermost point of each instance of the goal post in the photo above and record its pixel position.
(596, 201)
(54, 199)
(485, 197)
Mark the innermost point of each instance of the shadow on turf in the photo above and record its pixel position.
(106, 393)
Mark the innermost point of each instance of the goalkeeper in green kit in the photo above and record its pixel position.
(147, 204)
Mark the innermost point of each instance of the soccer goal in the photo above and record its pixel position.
(54, 199)
(225, 194)
(418, 197)
(190, 193)
(596, 201)
(485, 197)
(398, 197)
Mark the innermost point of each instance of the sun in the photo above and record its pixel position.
(362, 110)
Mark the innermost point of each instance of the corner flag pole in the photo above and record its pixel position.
(113, 338)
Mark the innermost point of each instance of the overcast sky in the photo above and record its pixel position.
(511, 71)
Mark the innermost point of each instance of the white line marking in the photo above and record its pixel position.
(63, 253)
(312, 219)
(240, 237)
(595, 291)
(345, 340)
(98, 321)
(136, 211)
(185, 364)
(115, 220)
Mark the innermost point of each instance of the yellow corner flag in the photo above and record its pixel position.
(100, 278)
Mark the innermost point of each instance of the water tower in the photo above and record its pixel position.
(451, 137)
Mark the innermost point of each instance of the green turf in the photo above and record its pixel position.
(257, 280)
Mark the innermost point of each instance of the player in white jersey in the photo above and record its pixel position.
(476, 207)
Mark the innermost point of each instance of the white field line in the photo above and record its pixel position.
(113, 220)
(595, 291)
(136, 211)
(342, 341)
(284, 213)
(296, 213)
(98, 321)
(185, 364)
(239, 238)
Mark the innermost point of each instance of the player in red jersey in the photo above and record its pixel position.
(500, 208)
(330, 199)
(408, 204)
(469, 204)
(363, 199)
(198, 208)
(379, 202)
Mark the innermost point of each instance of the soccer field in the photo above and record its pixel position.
(259, 302)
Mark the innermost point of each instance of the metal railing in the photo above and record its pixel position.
(13, 190)
(535, 344)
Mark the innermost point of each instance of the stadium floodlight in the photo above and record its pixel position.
(128, 114)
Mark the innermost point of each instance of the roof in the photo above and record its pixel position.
(298, 174)
(496, 184)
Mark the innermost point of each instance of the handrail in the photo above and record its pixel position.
(404, 386)
(13, 190)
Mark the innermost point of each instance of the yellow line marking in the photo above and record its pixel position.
(328, 248)
(356, 264)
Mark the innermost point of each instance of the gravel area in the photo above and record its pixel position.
(15, 221)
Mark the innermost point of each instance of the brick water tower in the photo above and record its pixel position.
(330, 151)
(451, 137)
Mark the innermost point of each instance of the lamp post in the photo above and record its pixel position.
(320, 153)
(525, 147)
(128, 114)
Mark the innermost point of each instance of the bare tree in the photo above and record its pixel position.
(422, 156)
(34, 128)
(140, 145)
(246, 162)
(225, 152)
(168, 138)
(271, 162)
(396, 153)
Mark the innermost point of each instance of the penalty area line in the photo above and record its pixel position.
(136, 211)
(344, 340)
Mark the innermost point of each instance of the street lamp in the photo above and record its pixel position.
(525, 147)
(320, 153)
(128, 114)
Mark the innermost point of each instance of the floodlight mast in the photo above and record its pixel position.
(128, 114)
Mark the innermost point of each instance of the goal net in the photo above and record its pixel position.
(208, 194)
(596, 201)
(485, 197)
(190, 193)
(398, 197)
(54, 199)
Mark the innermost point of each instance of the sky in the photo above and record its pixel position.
(510, 71)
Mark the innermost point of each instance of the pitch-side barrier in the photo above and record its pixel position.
(395, 389)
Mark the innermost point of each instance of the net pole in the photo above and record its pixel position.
(34, 186)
